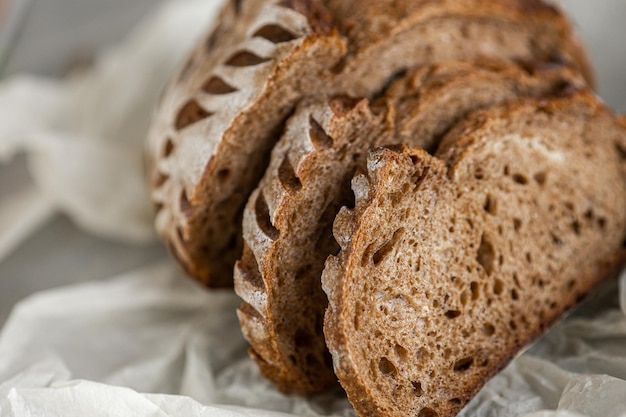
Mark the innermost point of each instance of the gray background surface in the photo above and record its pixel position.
(56, 34)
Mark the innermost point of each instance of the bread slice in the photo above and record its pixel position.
(450, 264)
(287, 224)
(220, 117)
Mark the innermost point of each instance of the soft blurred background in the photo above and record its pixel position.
(53, 38)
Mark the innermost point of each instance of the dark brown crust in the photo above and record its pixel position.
(353, 227)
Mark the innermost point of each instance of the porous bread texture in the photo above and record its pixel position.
(219, 118)
(450, 264)
(287, 225)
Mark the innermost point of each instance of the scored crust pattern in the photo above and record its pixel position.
(447, 271)
(288, 220)
(220, 84)
(222, 114)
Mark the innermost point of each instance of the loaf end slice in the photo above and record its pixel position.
(450, 264)
(219, 118)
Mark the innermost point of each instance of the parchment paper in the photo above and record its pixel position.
(152, 343)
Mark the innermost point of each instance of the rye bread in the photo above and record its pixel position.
(220, 117)
(287, 225)
(450, 264)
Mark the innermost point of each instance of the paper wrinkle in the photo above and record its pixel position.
(152, 343)
(84, 135)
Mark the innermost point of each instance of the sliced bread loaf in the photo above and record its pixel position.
(287, 224)
(221, 116)
(450, 264)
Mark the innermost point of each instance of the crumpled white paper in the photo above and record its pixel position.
(152, 343)
(84, 135)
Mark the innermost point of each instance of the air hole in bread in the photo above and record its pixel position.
(455, 401)
(485, 255)
(529, 257)
(452, 314)
(318, 135)
(302, 338)
(263, 218)
(185, 206)
(401, 352)
(520, 179)
(479, 174)
(160, 179)
(517, 224)
(537, 281)
(601, 223)
(248, 268)
(540, 178)
(386, 367)
(218, 86)
(384, 250)
(489, 329)
(223, 175)
(422, 354)
(506, 171)
(475, 290)
(417, 388)
(576, 228)
(189, 114)
(464, 297)
(275, 33)
(556, 240)
(463, 364)
(169, 148)
(245, 59)
(287, 176)
(498, 286)
(514, 294)
(427, 412)
(490, 205)
(248, 310)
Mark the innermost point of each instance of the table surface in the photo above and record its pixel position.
(55, 34)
